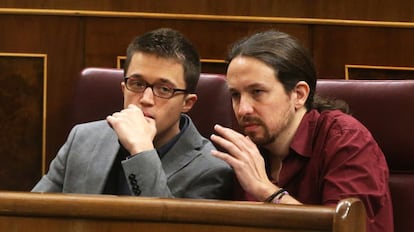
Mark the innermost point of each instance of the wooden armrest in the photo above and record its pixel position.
(69, 212)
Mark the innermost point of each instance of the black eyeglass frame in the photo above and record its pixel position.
(174, 90)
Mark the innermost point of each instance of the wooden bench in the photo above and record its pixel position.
(21, 211)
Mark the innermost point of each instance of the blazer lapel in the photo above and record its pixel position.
(184, 151)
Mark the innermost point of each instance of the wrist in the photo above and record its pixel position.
(135, 149)
(264, 192)
(277, 196)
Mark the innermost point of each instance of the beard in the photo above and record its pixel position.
(263, 135)
(259, 138)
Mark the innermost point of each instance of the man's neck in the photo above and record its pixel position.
(166, 137)
(163, 138)
(280, 147)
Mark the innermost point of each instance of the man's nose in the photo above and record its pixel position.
(245, 106)
(147, 96)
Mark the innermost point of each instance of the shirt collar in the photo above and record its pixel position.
(302, 142)
(184, 122)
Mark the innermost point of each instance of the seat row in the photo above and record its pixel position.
(385, 107)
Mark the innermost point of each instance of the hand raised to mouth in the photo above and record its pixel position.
(135, 130)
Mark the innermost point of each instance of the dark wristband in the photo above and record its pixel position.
(271, 197)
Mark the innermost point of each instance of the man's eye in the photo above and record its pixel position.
(164, 89)
(234, 95)
(257, 92)
(140, 84)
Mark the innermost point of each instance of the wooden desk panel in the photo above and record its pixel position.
(64, 212)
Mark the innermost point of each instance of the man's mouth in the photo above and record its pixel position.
(148, 115)
(248, 127)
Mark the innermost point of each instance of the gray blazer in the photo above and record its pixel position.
(187, 170)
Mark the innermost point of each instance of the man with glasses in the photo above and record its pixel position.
(151, 147)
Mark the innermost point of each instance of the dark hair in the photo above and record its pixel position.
(168, 43)
(290, 61)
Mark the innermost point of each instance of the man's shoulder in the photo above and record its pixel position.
(93, 125)
(338, 117)
(90, 128)
(91, 133)
(341, 122)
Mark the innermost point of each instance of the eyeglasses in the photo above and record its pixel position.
(159, 89)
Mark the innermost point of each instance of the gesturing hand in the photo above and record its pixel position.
(135, 131)
(246, 160)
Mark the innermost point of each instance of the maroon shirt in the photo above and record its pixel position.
(332, 157)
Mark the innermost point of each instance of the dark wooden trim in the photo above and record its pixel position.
(204, 17)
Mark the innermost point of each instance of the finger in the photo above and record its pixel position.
(249, 140)
(110, 119)
(150, 121)
(229, 146)
(233, 162)
(132, 106)
(113, 119)
(116, 114)
(152, 124)
(244, 171)
(238, 139)
(240, 155)
(227, 133)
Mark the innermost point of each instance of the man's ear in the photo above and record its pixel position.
(123, 87)
(301, 92)
(189, 101)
